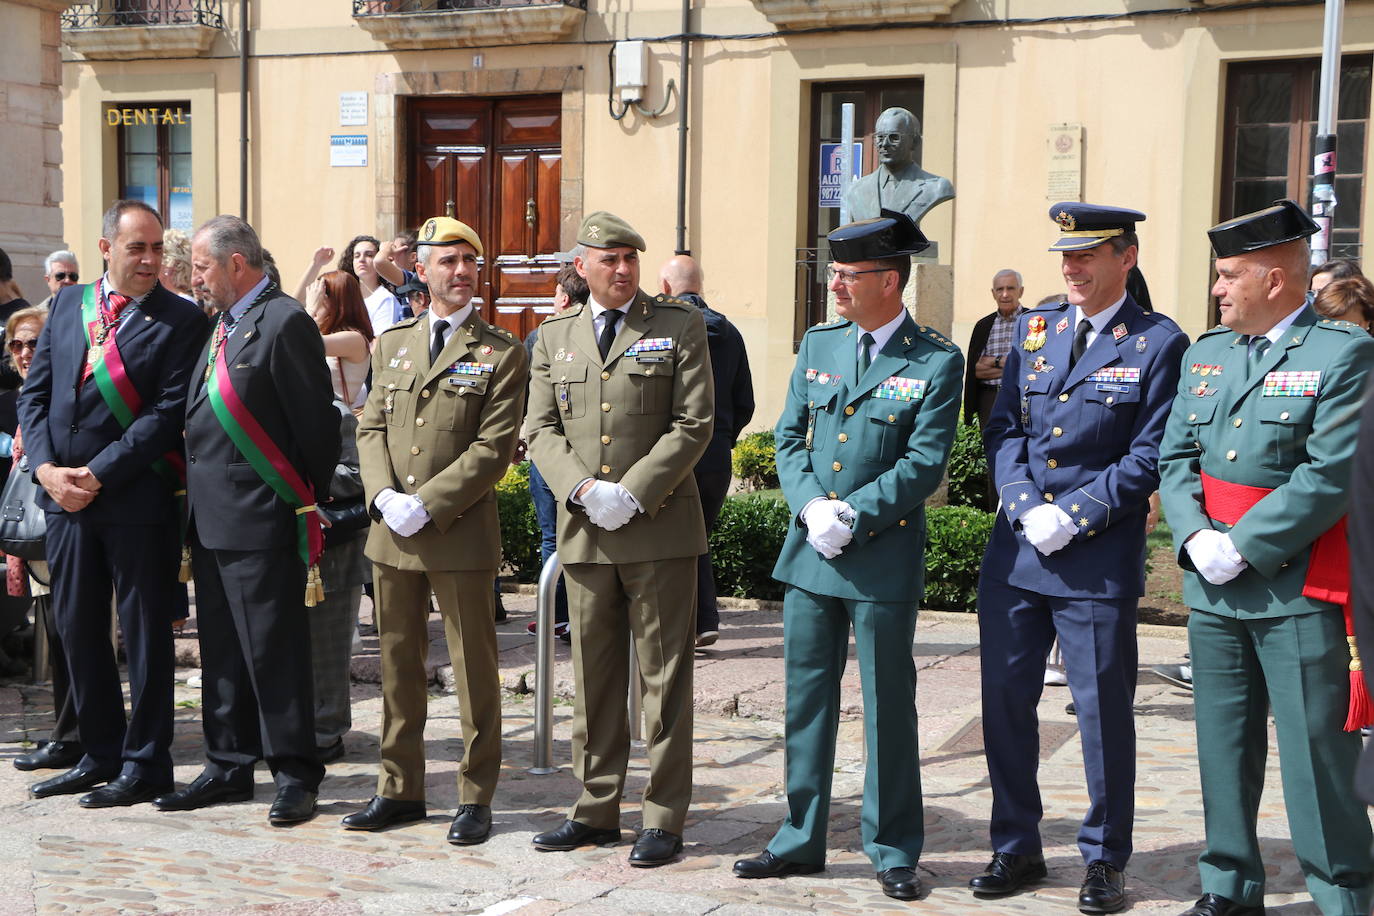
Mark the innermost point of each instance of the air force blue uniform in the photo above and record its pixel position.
(1086, 439)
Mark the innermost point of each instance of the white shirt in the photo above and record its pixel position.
(381, 309)
(880, 336)
(1099, 321)
(599, 316)
(1277, 331)
(452, 321)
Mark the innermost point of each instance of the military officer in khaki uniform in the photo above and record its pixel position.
(438, 431)
(620, 411)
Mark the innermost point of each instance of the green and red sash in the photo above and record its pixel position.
(120, 395)
(270, 463)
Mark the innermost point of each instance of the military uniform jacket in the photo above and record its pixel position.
(276, 363)
(1290, 426)
(640, 418)
(880, 443)
(445, 432)
(1086, 439)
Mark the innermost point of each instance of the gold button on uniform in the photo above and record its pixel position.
(837, 466)
(1236, 422)
(415, 449)
(1063, 397)
(1049, 497)
(419, 421)
(605, 375)
(892, 418)
(901, 523)
(1052, 464)
(605, 469)
(410, 479)
(425, 393)
(1057, 431)
(1192, 418)
(1111, 400)
(849, 411)
(834, 495)
(1231, 455)
(605, 407)
(605, 440)
(844, 437)
(1284, 415)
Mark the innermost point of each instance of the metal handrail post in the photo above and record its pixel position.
(636, 699)
(543, 667)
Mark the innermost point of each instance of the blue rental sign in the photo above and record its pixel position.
(829, 191)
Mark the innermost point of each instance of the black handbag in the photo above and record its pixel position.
(23, 526)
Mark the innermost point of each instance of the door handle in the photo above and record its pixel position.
(531, 211)
(448, 209)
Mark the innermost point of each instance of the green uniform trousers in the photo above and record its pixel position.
(1298, 665)
(816, 645)
(655, 601)
(467, 605)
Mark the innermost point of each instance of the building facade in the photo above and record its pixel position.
(366, 116)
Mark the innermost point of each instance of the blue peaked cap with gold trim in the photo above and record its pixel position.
(1089, 225)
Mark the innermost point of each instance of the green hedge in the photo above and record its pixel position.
(968, 468)
(749, 535)
(755, 462)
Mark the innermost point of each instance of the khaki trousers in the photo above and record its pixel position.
(656, 602)
(402, 612)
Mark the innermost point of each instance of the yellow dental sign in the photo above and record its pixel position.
(131, 117)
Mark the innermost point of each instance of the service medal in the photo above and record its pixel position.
(1035, 334)
(1119, 331)
(1042, 366)
(1140, 344)
(1062, 326)
(486, 349)
(93, 355)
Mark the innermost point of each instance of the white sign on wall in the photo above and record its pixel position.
(348, 150)
(1065, 147)
(352, 109)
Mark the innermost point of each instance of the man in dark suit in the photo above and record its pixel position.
(103, 404)
(681, 276)
(262, 440)
(1074, 444)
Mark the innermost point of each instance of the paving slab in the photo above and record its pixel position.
(228, 860)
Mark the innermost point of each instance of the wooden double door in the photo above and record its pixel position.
(495, 164)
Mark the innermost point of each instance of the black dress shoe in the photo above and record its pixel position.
(53, 755)
(767, 865)
(1006, 874)
(75, 780)
(124, 791)
(331, 752)
(291, 806)
(204, 790)
(654, 848)
(1103, 890)
(571, 835)
(471, 825)
(900, 883)
(385, 812)
(1217, 905)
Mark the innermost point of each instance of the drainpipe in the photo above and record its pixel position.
(243, 110)
(682, 132)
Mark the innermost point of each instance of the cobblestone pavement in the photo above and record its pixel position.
(227, 860)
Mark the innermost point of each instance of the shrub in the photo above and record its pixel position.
(968, 468)
(746, 542)
(956, 537)
(755, 460)
(519, 528)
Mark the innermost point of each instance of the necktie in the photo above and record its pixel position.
(612, 317)
(865, 354)
(112, 305)
(1080, 341)
(437, 346)
(1258, 347)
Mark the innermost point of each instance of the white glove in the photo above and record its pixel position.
(1214, 556)
(824, 530)
(403, 514)
(1048, 528)
(609, 505)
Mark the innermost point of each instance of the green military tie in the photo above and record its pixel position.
(1258, 347)
(865, 354)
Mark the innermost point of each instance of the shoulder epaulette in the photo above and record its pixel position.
(571, 311)
(1340, 324)
(403, 323)
(1219, 329)
(935, 337)
(830, 325)
(664, 299)
(1047, 307)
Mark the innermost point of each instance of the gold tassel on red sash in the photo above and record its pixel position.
(184, 574)
(314, 586)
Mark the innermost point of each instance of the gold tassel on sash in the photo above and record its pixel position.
(314, 586)
(184, 574)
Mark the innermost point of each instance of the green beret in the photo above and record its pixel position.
(606, 230)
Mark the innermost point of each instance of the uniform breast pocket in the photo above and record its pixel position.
(460, 401)
(1111, 407)
(1285, 423)
(1198, 413)
(651, 383)
(396, 391)
(570, 389)
(820, 407)
(888, 429)
(1033, 401)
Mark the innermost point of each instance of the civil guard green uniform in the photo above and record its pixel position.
(874, 441)
(1258, 449)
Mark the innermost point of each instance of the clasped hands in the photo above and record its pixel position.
(1214, 556)
(826, 530)
(1048, 528)
(71, 488)
(609, 505)
(403, 514)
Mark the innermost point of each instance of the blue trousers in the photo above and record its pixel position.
(546, 512)
(1097, 639)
